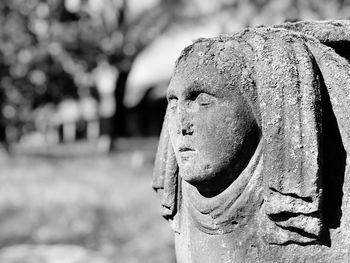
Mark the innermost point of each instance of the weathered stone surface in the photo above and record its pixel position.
(253, 162)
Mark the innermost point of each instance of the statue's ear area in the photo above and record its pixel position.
(165, 174)
(289, 98)
(322, 70)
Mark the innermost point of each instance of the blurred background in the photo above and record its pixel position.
(82, 99)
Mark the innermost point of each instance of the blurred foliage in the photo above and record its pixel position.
(49, 48)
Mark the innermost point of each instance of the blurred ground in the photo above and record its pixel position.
(74, 208)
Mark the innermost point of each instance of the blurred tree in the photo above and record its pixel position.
(30, 73)
(48, 49)
(125, 33)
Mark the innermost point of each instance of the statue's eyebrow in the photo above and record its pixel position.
(186, 92)
(195, 88)
(190, 91)
(170, 93)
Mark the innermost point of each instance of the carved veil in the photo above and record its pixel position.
(286, 70)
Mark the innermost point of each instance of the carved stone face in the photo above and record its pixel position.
(211, 126)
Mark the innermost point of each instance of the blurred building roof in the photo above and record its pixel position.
(156, 63)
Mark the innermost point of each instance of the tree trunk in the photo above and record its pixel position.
(119, 118)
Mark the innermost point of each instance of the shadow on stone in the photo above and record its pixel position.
(334, 162)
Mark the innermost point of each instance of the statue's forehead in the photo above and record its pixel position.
(208, 51)
(213, 64)
(208, 81)
(193, 73)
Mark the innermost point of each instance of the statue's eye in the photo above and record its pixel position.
(172, 102)
(204, 99)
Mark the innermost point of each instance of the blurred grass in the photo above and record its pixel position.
(101, 206)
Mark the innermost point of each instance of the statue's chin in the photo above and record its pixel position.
(207, 184)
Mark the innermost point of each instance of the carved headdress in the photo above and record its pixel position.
(284, 72)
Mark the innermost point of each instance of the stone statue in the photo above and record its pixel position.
(253, 161)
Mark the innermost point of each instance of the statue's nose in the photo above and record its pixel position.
(185, 121)
(186, 126)
(187, 129)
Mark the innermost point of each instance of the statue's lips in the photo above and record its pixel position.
(186, 149)
(186, 152)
